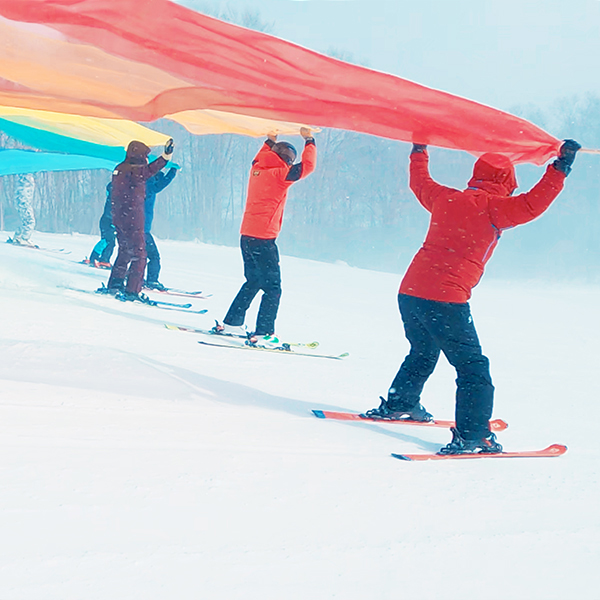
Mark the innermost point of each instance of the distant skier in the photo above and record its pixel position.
(128, 196)
(24, 203)
(464, 229)
(154, 185)
(103, 250)
(273, 172)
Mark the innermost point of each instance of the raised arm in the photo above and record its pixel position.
(309, 158)
(156, 165)
(517, 210)
(158, 183)
(423, 186)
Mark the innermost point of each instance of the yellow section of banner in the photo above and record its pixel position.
(108, 132)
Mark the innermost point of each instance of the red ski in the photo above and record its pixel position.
(553, 450)
(496, 425)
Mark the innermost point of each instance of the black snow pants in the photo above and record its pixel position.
(432, 327)
(153, 268)
(262, 272)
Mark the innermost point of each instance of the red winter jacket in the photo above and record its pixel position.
(270, 179)
(466, 226)
(129, 186)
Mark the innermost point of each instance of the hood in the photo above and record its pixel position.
(494, 173)
(137, 153)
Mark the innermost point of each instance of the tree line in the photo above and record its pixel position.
(356, 207)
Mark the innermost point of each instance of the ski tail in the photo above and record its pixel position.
(495, 425)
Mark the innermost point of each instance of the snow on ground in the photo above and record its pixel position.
(138, 464)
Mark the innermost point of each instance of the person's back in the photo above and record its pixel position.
(465, 226)
(270, 179)
(433, 298)
(128, 195)
(157, 183)
(272, 173)
(129, 186)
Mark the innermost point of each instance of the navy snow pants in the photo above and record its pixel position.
(262, 272)
(153, 259)
(432, 327)
(104, 249)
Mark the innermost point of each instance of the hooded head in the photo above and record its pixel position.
(285, 151)
(494, 173)
(137, 153)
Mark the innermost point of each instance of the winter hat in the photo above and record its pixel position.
(285, 151)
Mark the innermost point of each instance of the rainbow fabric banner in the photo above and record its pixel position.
(145, 60)
(72, 134)
(14, 162)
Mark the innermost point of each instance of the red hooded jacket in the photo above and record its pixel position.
(466, 226)
(129, 186)
(270, 179)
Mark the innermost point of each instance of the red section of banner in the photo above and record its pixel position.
(233, 69)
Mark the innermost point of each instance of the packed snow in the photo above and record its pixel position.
(137, 464)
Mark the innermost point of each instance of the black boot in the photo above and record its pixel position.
(385, 413)
(155, 285)
(116, 286)
(125, 296)
(459, 445)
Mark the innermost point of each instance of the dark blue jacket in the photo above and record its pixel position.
(155, 184)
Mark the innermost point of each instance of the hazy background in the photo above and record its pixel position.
(536, 59)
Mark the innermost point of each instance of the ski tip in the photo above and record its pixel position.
(203, 311)
(319, 414)
(556, 449)
(344, 355)
(169, 326)
(401, 457)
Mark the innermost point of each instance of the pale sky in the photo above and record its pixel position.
(498, 52)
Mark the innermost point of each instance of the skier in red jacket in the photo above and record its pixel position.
(464, 229)
(273, 172)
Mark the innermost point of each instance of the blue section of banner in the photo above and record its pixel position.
(53, 142)
(13, 162)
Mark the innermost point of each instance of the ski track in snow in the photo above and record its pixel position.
(136, 463)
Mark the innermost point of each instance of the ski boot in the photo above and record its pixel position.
(125, 296)
(460, 445)
(231, 330)
(155, 285)
(384, 413)
(112, 291)
(266, 341)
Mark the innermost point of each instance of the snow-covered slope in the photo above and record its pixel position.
(138, 464)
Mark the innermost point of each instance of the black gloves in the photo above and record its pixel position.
(566, 156)
(169, 147)
(419, 148)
